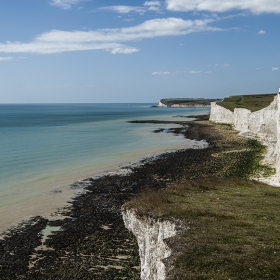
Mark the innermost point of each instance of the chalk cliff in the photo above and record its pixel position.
(263, 124)
(151, 235)
(278, 137)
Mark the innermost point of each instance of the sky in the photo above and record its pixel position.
(80, 51)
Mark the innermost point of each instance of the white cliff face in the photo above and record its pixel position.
(150, 235)
(161, 104)
(265, 124)
(241, 119)
(278, 137)
(220, 114)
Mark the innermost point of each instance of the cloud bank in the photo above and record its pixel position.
(57, 41)
(254, 6)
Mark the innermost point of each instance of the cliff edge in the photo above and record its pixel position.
(263, 125)
(153, 234)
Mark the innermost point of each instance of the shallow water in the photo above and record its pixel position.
(47, 147)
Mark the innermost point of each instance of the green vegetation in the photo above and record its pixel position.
(251, 102)
(231, 226)
(188, 101)
(244, 163)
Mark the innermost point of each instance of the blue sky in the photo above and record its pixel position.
(137, 51)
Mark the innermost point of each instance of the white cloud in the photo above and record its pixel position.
(194, 72)
(255, 6)
(66, 4)
(124, 9)
(226, 65)
(5, 58)
(275, 68)
(153, 5)
(57, 41)
(161, 73)
(242, 14)
(208, 72)
(261, 32)
(124, 50)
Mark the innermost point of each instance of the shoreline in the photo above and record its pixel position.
(53, 201)
(107, 194)
(93, 242)
(57, 194)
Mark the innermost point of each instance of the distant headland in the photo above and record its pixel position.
(186, 102)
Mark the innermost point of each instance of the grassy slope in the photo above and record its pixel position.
(251, 102)
(233, 228)
(233, 224)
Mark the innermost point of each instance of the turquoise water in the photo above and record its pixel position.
(44, 147)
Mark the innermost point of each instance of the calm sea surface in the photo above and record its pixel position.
(43, 147)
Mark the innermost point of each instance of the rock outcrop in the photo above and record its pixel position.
(263, 124)
(151, 235)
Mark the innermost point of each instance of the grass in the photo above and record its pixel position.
(244, 163)
(251, 102)
(232, 227)
(231, 224)
(236, 156)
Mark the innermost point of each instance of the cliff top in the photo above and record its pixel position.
(231, 228)
(229, 222)
(190, 101)
(253, 102)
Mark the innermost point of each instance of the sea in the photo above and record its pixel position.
(44, 148)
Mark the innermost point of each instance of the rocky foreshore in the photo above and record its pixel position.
(92, 242)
